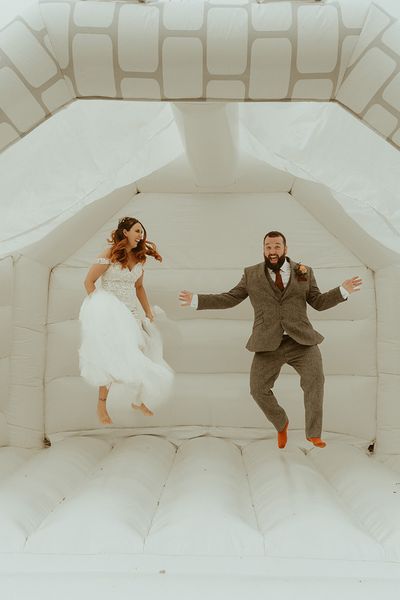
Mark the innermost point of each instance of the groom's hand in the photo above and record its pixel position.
(185, 297)
(352, 285)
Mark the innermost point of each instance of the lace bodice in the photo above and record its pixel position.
(121, 282)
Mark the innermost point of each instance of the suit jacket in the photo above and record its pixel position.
(276, 311)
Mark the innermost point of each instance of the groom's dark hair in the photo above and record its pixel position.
(275, 234)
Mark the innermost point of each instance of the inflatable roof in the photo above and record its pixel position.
(343, 56)
(212, 122)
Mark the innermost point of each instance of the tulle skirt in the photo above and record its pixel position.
(116, 347)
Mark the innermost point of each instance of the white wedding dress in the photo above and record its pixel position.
(116, 345)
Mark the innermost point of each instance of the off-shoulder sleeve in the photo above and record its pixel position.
(103, 261)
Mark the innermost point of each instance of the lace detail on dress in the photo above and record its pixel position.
(121, 283)
(103, 261)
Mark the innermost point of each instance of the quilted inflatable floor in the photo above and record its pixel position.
(143, 507)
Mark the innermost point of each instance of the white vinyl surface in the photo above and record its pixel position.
(198, 501)
(231, 508)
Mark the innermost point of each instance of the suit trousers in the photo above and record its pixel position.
(307, 361)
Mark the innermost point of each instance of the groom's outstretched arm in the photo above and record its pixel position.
(323, 301)
(214, 301)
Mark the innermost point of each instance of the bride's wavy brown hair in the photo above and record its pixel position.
(119, 251)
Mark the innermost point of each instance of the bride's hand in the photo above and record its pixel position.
(150, 316)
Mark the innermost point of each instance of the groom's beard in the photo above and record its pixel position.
(275, 266)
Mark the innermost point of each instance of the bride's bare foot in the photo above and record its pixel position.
(143, 409)
(102, 413)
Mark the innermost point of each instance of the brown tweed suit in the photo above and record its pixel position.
(276, 312)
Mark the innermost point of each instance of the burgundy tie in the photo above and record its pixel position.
(278, 281)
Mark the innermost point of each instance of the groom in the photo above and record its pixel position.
(279, 290)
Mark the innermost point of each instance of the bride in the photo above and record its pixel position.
(116, 346)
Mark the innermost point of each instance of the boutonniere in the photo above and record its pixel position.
(301, 272)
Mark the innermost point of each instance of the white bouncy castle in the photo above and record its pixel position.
(213, 123)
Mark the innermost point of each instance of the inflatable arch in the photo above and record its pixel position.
(199, 501)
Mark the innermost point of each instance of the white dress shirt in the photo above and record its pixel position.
(285, 274)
